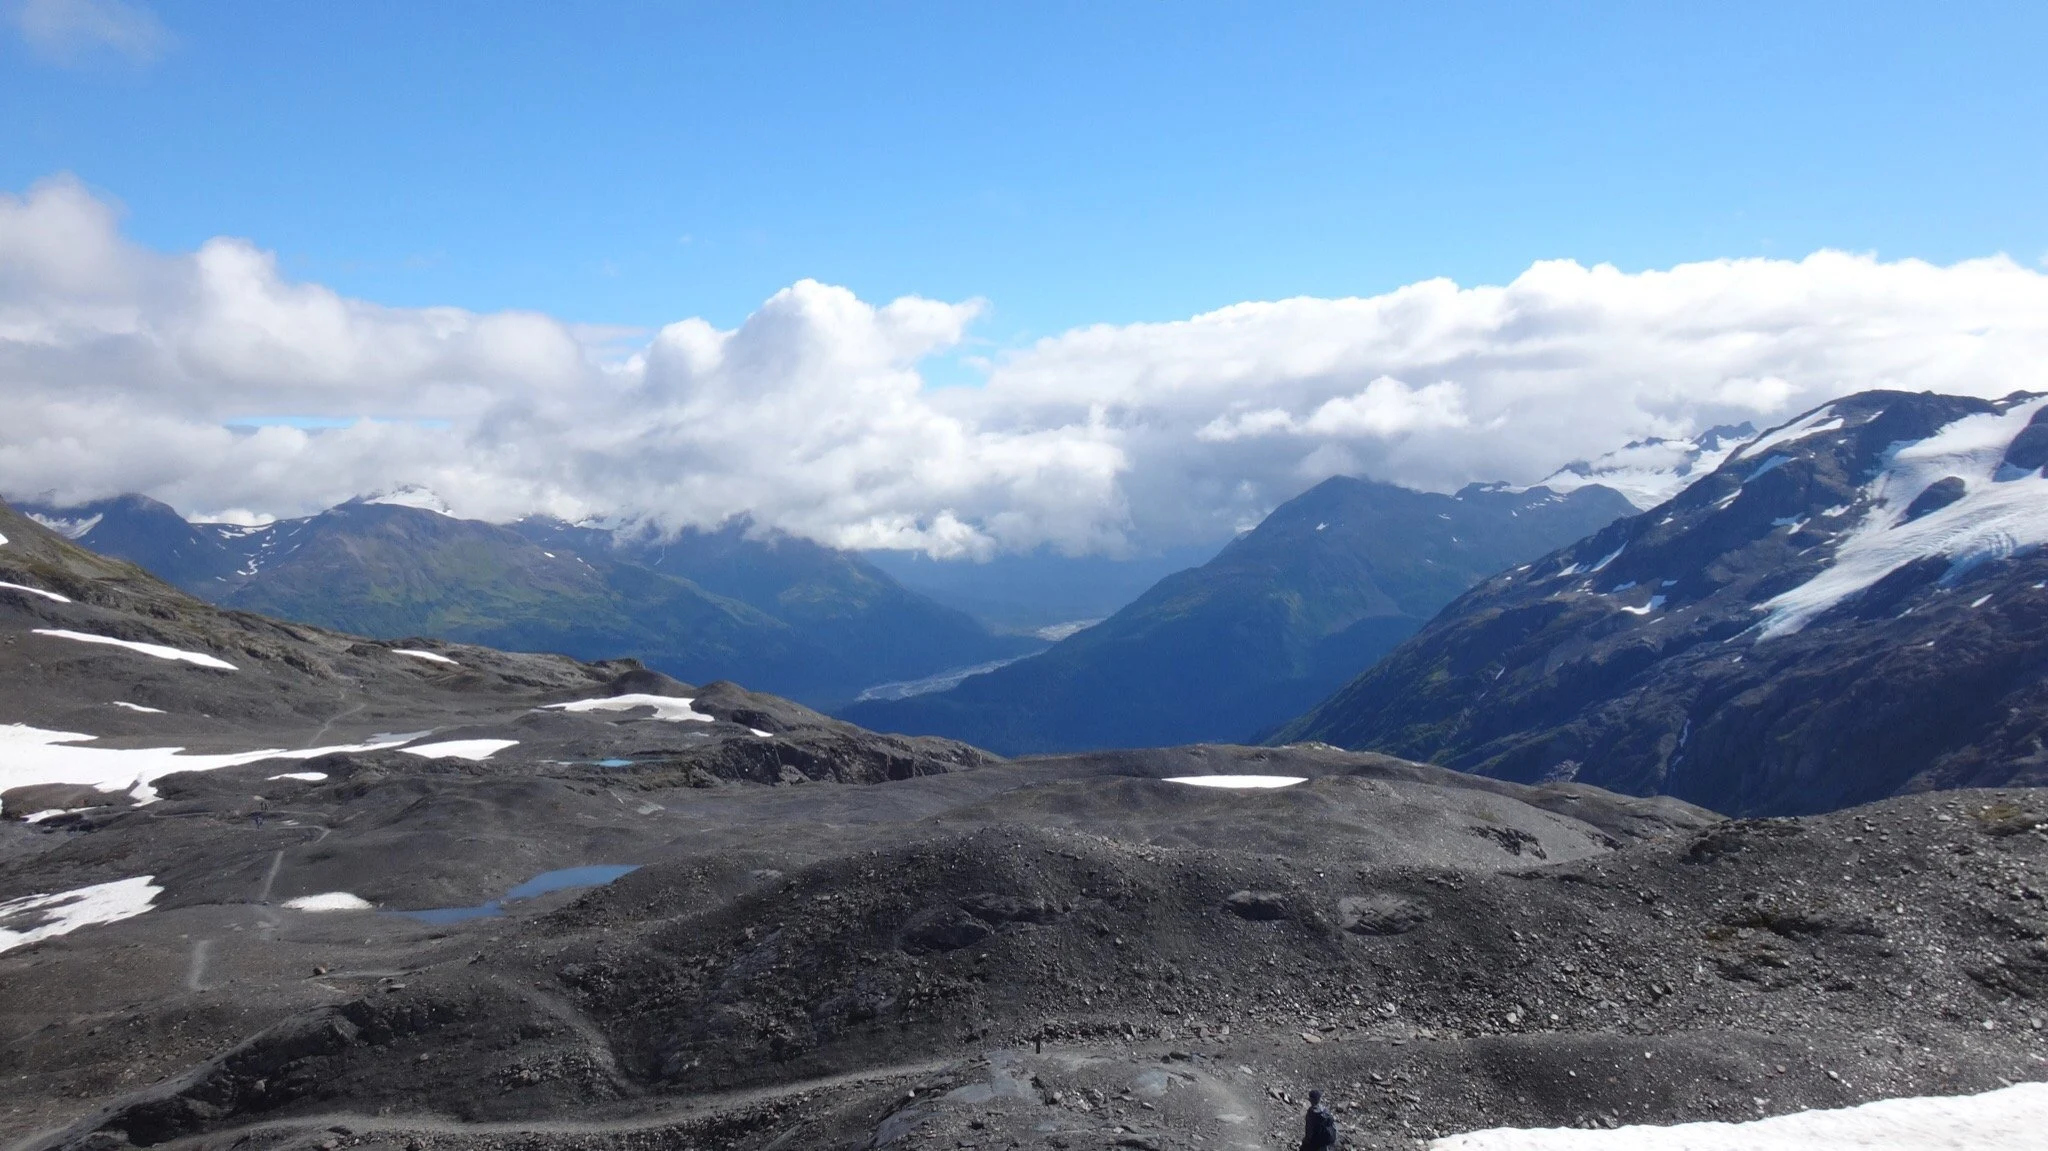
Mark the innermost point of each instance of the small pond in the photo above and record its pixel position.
(592, 875)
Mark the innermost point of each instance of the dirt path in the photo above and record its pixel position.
(337, 717)
(270, 877)
(195, 975)
(663, 1114)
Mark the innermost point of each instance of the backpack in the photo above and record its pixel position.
(1322, 1128)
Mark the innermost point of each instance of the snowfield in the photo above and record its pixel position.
(2012, 1119)
(1995, 517)
(1647, 472)
(1821, 419)
(1238, 782)
(156, 649)
(33, 755)
(475, 749)
(36, 917)
(48, 595)
(414, 496)
(329, 901)
(666, 707)
(52, 813)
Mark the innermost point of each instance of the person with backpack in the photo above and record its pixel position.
(1321, 1134)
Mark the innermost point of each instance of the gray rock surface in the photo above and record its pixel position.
(909, 942)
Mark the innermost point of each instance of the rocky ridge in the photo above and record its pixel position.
(615, 926)
(1854, 605)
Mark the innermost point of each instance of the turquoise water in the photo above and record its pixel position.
(591, 875)
(594, 875)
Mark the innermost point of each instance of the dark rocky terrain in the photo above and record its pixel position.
(838, 939)
(1851, 608)
(777, 612)
(1325, 585)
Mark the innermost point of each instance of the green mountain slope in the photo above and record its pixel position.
(783, 615)
(1328, 583)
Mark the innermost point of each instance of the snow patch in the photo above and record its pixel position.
(763, 734)
(413, 496)
(156, 649)
(1648, 472)
(54, 812)
(302, 776)
(1769, 465)
(37, 917)
(473, 749)
(48, 595)
(329, 901)
(666, 707)
(1611, 557)
(2010, 1119)
(1656, 601)
(1238, 782)
(137, 707)
(1812, 423)
(34, 755)
(1992, 519)
(429, 655)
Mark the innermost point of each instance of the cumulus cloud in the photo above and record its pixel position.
(64, 30)
(124, 369)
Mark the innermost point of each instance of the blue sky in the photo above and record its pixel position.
(1070, 163)
(432, 243)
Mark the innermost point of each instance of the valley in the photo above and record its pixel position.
(441, 896)
(1017, 577)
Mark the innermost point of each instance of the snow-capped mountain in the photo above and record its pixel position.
(411, 496)
(1650, 471)
(1851, 605)
(267, 885)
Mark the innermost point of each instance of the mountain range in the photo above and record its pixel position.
(1651, 470)
(1322, 587)
(807, 621)
(264, 884)
(1851, 606)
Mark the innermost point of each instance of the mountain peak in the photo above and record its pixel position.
(1850, 606)
(1649, 471)
(410, 496)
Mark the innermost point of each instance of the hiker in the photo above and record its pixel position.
(1321, 1133)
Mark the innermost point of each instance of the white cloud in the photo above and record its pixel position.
(122, 365)
(63, 30)
(1385, 408)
